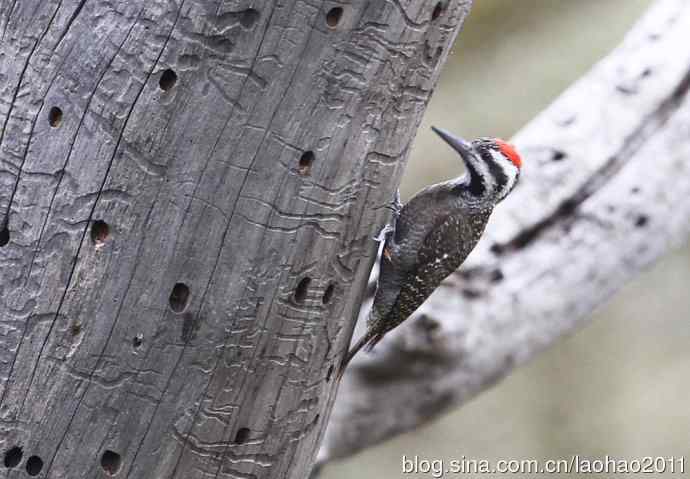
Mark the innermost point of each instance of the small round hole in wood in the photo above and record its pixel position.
(302, 290)
(242, 435)
(34, 465)
(13, 457)
(75, 328)
(328, 294)
(4, 236)
(55, 117)
(137, 341)
(333, 16)
(168, 80)
(305, 162)
(438, 10)
(111, 462)
(179, 297)
(99, 231)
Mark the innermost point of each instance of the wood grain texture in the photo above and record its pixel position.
(604, 193)
(188, 195)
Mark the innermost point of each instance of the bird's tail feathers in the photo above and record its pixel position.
(366, 342)
(351, 354)
(373, 341)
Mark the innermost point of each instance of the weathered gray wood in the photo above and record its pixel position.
(604, 193)
(243, 151)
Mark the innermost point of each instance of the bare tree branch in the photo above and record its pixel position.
(604, 193)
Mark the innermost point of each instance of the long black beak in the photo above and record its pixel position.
(461, 146)
(469, 157)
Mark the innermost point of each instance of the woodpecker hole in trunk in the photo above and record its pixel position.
(168, 80)
(179, 297)
(55, 117)
(99, 232)
(34, 465)
(328, 294)
(333, 16)
(305, 162)
(242, 435)
(111, 462)
(75, 329)
(4, 236)
(13, 457)
(302, 290)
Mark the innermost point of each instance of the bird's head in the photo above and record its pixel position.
(493, 165)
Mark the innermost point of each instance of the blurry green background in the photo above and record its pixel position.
(619, 386)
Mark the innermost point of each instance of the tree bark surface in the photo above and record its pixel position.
(604, 192)
(188, 196)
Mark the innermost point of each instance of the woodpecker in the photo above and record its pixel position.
(432, 234)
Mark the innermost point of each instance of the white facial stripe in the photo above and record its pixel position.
(509, 169)
(512, 173)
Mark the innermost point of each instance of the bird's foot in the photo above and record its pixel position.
(395, 205)
(382, 238)
(383, 234)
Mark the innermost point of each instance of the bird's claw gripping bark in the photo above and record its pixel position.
(383, 234)
(381, 239)
(396, 205)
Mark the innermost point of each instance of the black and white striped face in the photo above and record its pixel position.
(499, 169)
(493, 165)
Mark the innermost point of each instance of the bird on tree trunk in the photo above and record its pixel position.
(433, 233)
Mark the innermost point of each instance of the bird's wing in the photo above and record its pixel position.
(443, 250)
(399, 257)
(401, 250)
(412, 226)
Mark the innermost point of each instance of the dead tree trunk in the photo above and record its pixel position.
(188, 192)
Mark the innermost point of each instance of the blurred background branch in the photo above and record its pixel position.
(604, 195)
